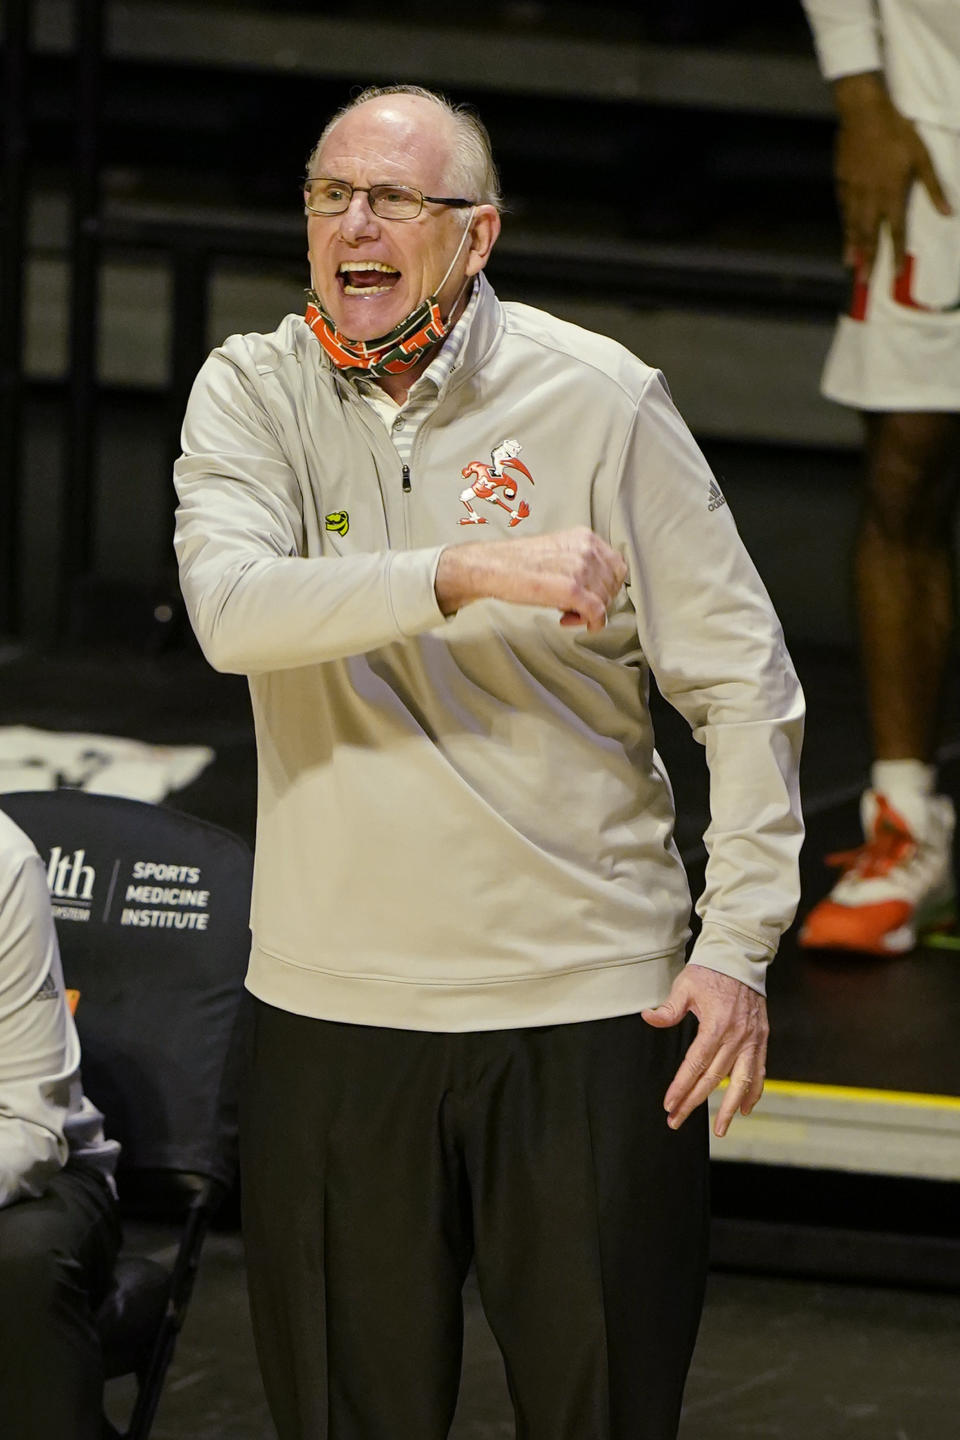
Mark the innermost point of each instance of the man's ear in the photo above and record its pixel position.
(484, 229)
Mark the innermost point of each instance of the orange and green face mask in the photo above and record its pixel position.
(389, 354)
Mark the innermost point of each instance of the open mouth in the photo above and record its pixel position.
(366, 277)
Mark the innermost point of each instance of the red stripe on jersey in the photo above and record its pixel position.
(903, 287)
(858, 298)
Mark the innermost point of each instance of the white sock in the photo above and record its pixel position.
(908, 785)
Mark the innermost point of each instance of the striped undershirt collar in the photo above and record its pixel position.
(443, 364)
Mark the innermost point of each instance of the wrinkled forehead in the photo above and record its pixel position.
(399, 137)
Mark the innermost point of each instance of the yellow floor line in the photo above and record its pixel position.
(854, 1093)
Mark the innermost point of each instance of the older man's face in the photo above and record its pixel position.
(404, 140)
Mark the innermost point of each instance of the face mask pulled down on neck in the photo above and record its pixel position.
(400, 348)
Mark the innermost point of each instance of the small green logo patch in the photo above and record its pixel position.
(337, 520)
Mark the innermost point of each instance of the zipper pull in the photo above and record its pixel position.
(406, 480)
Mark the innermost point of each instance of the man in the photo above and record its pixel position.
(895, 70)
(59, 1231)
(469, 913)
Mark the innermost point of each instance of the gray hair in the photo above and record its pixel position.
(473, 172)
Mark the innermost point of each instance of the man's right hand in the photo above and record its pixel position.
(572, 571)
(879, 155)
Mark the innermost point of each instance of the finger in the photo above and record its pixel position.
(930, 181)
(612, 587)
(662, 1017)
(710, 1080)
(862, 216)
(753, 1062)
(593, 615)
(755, 1093)
(591, 601)
(708, 1066)
(737, 1096)
(851, 204)
(867, 236)
(691, 1098)
(605, 579)
(851, 247)
(582, 601)
(897, 219)
(851, 230)
(700, 1072)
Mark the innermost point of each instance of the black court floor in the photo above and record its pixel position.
(776, 1359)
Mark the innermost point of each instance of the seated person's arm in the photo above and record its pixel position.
(39, 1050)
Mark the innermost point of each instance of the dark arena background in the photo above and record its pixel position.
(667, 174)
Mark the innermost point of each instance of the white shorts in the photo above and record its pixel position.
(898, 348)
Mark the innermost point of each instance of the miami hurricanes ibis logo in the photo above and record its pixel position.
(493, 484)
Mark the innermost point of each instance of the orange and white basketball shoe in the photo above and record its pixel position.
(894, 886)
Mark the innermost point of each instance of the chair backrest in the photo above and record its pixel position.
(152, 909)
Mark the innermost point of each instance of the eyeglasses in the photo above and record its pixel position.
(391, 202)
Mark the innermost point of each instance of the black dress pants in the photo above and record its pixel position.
(56, 1260)
(377, 1163)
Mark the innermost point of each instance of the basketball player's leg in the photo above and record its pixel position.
(904, 577)
(896, 358)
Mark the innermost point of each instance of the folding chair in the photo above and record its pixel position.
(151, 908)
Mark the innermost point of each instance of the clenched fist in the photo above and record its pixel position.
(573, 571)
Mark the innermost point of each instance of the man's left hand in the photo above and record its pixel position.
(731, 1041)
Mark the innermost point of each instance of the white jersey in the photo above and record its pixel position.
(916, 43)
(45, 1118)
